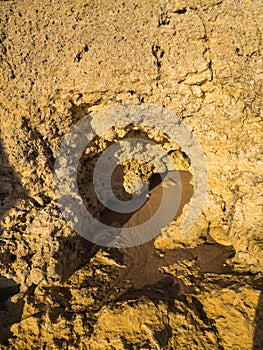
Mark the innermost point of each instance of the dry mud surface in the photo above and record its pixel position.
(61, 60)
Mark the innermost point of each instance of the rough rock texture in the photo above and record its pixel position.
(201, 60)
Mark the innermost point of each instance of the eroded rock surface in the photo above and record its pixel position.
(61, 60)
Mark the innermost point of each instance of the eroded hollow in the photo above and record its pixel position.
(128, 172)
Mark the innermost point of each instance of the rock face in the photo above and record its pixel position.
(61, 60)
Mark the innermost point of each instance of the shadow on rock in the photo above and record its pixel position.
(9, 312)
(258, 334)
(10, 187)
